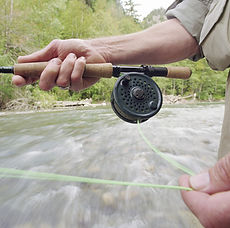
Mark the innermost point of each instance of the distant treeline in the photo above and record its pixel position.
(29, 25)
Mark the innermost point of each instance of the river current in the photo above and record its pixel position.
(94, 142)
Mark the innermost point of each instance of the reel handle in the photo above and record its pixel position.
(34, 70)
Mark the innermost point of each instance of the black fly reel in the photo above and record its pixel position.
(136, 97)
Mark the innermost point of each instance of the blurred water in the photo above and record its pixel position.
(95, 143)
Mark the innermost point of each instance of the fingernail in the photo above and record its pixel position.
(56, 61)
(200, 181)
(82, 58)
(72, 55)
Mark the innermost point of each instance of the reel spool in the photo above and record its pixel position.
(136, 97)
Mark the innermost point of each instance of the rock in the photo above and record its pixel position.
(108, 199)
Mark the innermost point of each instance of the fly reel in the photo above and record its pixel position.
(136, 97)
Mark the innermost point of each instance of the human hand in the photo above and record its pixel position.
(67, 59)
(210, 200)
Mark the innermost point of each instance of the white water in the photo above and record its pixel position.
(95, 143)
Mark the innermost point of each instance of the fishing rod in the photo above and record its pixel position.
(101, 70)
(135, 96)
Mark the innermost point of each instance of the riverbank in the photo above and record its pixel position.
(25, 105)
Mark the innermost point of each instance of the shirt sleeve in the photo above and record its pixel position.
(191, 14)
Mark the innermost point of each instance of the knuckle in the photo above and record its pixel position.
(69, 62)
(81, 61)
(62, 82)
(72, 56)
(55, 42)
(53, 46)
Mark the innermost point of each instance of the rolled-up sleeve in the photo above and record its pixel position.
(191, 14)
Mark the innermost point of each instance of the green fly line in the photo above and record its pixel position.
(26, 174)
(16, 173)
(164, 156)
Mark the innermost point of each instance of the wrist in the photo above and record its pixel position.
(115, 50)
(101, 48)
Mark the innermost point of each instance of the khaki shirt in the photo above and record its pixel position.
(208, 22)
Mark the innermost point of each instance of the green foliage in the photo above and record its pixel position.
(29, 25)
(205, 83)
(99, 91)
(90, 3)
(130, 10)
(156, 16)
(46, 99)
(6, 91)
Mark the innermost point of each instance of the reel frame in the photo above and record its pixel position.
(136, 97)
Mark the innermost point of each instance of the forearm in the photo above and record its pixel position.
(162, 43)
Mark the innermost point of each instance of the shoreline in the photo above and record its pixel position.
(87, 103)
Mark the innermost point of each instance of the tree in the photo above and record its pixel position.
(130, 10)
(156, 16)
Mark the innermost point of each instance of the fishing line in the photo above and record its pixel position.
(164, 156)
(26, 174)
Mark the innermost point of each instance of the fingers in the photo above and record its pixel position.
(49, 52)
(71, 74)
(211, 210)
(47, 78)
(20, 81)
(65, 72)
(196, 201)
(217, 179)
(193, 199)
(77, 81)
(76, 76)
(49, 75)
(210, 199)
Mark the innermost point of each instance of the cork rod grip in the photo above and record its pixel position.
(100, 70)
(30, 70)
(179, 72)
(34, 70)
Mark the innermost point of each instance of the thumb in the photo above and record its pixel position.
(217, 179)
(45, 54)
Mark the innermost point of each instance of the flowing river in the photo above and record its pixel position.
(95, 143)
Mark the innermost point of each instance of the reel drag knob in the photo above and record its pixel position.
(136, 97)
